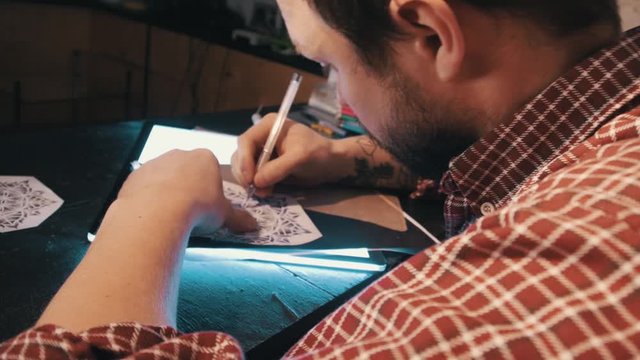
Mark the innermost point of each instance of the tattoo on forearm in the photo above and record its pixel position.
(367, 175)
(379, 173)
(405, 179)
(383, 175)
(368, 146)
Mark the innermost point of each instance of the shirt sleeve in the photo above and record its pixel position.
(120, 340)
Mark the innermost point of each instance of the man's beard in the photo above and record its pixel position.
(424, 135)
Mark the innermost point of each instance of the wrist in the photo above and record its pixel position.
(148, 211)
(341, 159)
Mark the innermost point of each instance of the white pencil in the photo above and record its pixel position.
(267, 150)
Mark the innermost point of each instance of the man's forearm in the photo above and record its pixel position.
(371, 166)
(131, 271)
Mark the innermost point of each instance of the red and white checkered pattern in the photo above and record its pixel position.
(119, 341)
(551, 273)
(566, 113)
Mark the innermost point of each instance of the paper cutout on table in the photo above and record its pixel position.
(352, 203)
(25, 203)
(281, 220)
(357, 204)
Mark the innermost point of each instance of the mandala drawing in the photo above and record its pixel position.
(25, 203)
(281, 220)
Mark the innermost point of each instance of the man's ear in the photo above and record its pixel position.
(433, 27)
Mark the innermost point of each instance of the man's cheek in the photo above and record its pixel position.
(340, 93)
(348, 97)
(357, 100)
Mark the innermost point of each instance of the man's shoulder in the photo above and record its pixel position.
(599, 174)
(594, 185)
(623, 127)
(617, 140)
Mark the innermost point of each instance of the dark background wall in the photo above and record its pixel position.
(63, 62)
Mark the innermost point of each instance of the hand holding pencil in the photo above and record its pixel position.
(267, 151)
(304, 156)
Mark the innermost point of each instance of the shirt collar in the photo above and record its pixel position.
(567, 112)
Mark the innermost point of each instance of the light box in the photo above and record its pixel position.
(162, 139)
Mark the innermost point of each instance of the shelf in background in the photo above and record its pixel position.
(207, 24)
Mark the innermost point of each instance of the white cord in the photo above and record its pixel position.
(411, 219)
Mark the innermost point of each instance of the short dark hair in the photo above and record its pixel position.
(369, 27)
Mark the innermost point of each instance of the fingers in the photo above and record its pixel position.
(277, 170)
(264, 192)
(241, 172)
(243, 161)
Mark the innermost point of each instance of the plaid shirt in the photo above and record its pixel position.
(490, 173)
(549, 268)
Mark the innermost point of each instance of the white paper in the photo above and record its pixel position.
(25, 203)
(163, 139)
(281, 220)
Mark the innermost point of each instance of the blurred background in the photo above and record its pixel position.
(93, 61)
(110, 60)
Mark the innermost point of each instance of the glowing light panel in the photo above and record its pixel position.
(294, 259)
(164, 138)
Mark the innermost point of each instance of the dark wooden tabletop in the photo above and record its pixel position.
(81, 164)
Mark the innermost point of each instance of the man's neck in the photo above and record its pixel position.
(526, 64)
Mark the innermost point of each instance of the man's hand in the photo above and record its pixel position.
(131, 271)
(303, 157)
(188, 180)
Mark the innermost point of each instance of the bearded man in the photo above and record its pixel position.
(525, 113)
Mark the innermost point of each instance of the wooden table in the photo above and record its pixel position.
(82, 164)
